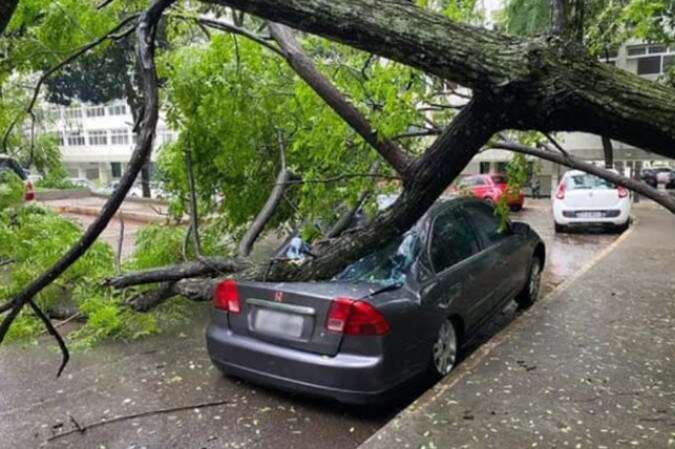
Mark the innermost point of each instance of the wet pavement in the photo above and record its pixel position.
(590, 366)
(173, 370)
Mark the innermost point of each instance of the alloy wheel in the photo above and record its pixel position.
(445, 349)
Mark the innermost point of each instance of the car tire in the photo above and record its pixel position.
(622, 227)
(516, 208)
(489, 200)
(444, 350)
(530, 292)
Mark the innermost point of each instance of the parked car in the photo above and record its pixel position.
(135, 192)
(670, 182)
(83, 183)
(583, 199)
(491, 188)
(663, 174)
(393, 315)
(9, 164)
(649, 176)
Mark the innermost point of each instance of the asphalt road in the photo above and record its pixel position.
(173, 370)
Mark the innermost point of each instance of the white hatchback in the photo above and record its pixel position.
(583, 199)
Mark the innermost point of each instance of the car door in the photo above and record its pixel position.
(453, 253)
(505, 251)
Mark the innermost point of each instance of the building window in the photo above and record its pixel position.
(53, 114)
(98, 137)
(58, 135)
(117, 109)
(119, 136)
(73, 113)
(116, 169)
(651, 59)
(134, 138)
(649, 66)
(95, 111)
(484, 168)
(75, 138)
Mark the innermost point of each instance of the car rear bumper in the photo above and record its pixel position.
(349, 378)
(567, 216)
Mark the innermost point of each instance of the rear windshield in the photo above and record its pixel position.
(499, 179)
(588, 182)
(386, 266)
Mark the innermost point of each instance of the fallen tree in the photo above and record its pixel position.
(546, 83)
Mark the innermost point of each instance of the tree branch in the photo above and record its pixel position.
(550, 85)
(663, 198)
(146, 47)
(270, 206)
(304, 67)
(198, 268)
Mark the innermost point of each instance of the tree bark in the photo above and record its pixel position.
(544, 84)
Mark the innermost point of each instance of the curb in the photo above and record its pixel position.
(95, 212)
(470, 363)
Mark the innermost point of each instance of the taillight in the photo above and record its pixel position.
(623, 193)
(226, 296)
(29, 194)
(560, 193)
(353, 317)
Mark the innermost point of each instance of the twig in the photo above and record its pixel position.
(194, 219)
(343, 177)
(557, 145)
(54, 333)
(162, 411)
(230, 28)
(120, 243)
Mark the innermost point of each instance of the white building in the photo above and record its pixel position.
(96, 141)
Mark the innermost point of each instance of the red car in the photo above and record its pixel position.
(491, 188)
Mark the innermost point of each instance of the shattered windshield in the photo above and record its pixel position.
(387, 266)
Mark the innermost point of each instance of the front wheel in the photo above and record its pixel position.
(530, 292)
(444, 350)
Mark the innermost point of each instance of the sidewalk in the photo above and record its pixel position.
(592, 365)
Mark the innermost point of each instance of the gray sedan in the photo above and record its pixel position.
(395, 314)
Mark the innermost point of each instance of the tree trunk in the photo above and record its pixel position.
(608, 152)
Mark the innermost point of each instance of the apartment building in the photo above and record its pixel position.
(96, 141)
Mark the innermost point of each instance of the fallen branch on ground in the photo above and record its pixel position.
(79, 428)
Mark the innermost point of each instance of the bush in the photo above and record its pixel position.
(56, 178)
(11, 190)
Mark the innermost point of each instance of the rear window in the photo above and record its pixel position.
(386, 266)
(499, 179)
(588, 182)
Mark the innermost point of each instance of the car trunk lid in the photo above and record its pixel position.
(294, 314)
(591, 192)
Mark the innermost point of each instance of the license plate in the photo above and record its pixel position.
(278, 323)
(590, 215)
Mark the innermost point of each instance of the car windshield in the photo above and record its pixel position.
(588, 182)
(386, 266)
(499, 179)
